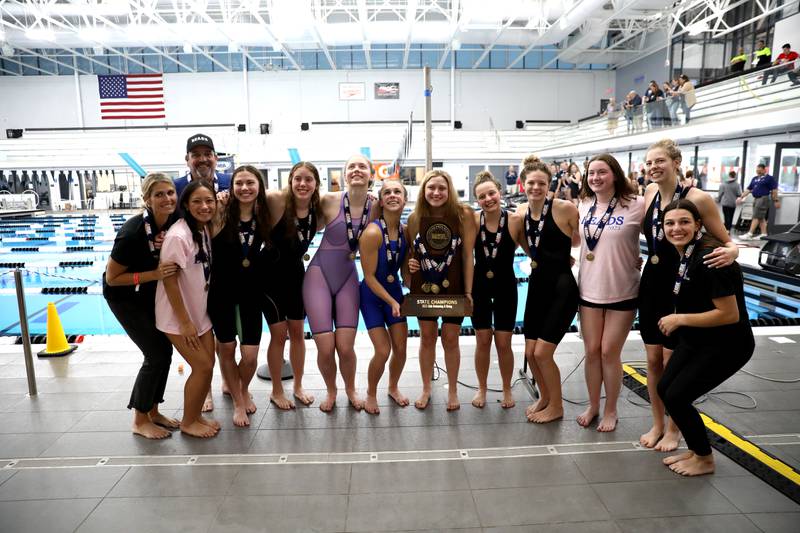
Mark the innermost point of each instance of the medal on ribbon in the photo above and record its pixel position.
(305, 233)
(247, 234)
(204, 256)
(392, 256)
(657, 225)
(352, 237)
(594, 238)
(533, 231)
(435, 272)
(680, 277)
(490, 249)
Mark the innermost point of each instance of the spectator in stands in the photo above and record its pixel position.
(633, 111)
(688, 179)
(688, 98)
(792, 74)
(763, 55)
(612, 112)
(784, 63)
(511, 179)
(670, 103)
(763, 187)
(654, 104)
(201, 159)
(729, 191)
(739, 61)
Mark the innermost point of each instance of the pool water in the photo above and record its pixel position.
(87, 241)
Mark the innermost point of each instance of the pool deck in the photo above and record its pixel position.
(70, 462)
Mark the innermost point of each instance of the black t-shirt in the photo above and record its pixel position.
(701, 285)
(131, 249)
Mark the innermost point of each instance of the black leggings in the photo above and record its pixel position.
(690, 373)
(728, 213)
(139, 322)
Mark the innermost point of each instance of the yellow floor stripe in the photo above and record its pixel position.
(746, 446)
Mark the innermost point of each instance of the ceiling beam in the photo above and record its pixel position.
(363, 18)
(275, 40)
(487, 50)
(458, 21)
(411, 18)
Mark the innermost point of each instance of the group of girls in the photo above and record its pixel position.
(230, 260)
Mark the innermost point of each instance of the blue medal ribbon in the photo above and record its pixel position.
(593, 239)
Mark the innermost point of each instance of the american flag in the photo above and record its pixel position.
(131, 97)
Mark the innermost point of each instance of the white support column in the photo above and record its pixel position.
(78, 97)
(246, 92)
(453, 93)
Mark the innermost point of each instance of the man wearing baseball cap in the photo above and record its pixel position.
(202, 162)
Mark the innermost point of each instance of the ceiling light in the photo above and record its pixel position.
(187, 48)
(456, 44)
(93, 34)
(7, 50)
(40, 34)
(233, 47)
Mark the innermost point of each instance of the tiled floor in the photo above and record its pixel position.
(514, 476)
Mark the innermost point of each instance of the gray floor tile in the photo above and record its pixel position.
(301, 441)
(289, 479)
(62, 401)
(680, 497)
(61, 483)
(39, 421)
(538, 505)
(433, 476)
(405, 438)
(569, 527)
(623, 466)
(154, 515)
(26, 444)
(734, 523)
(5, 474)
(522, 472)
(281, 513)
(788, 453)
(106, 421)
(751, 495)
(8, 399)
(776, 522)
(87, 384)
(166, 481)
(411, 511)
(52, 516)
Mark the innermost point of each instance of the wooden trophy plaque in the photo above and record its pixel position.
(430, 295)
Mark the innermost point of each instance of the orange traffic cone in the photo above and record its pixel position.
(57, 344)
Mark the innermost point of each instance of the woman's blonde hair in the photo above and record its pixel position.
(378, 206)
(484, 176)
(452, 208)
(532, 163)
(149, 183)
(672, 150)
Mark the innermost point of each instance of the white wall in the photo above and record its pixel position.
(786, 31)
(288, 98)
(636, 76)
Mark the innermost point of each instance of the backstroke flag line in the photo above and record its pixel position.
(131, 97)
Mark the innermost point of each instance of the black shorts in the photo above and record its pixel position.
(457, 320)
(284, 300)
(495, 307)
(624, 305)
(223, 314)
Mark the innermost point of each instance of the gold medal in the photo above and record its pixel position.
(206, 287)
(352, 256)
(306, 257)
(245, 262)
(435, 288)
(534, 264)
(654, 259)
(390, 278)
(590, 256)
(426, 287)
(490, 274)
(446, 283)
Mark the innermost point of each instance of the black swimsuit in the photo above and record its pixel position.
(496, 296)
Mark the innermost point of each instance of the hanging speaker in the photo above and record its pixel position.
(520, 124)
(264, 129)
(304, 126)
(457, 124)
(241, 127)
(13, 133)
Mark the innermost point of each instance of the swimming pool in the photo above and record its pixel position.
(65, 256)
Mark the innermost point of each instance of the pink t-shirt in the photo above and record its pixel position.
(180, 249)
(613, 276)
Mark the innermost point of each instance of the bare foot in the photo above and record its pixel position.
(371, 405)
(649, 439)
(208, 405)
(548, 414)
(536, 406)
(669, 442)
(213, 424)
(587, 417)
(250, 405)
(328, 403)
(149, 430)
(165, 421)
(423, 400)
(675, 458)
(452, 401)
(281, 401)
(198, 429)
(479, 400)
(240, 418)
(303, 397)
(608, 423)
(398, 398)
(696, 465)
(355, 400)
(508, 400)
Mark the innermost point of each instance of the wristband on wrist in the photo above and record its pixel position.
(136, 280)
